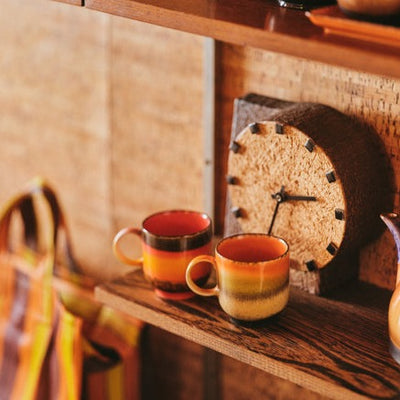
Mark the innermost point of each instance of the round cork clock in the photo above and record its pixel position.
(313, 176)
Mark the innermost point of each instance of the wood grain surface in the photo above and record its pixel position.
(260, 24)
(334, 348)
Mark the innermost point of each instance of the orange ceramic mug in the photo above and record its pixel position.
(252, 275)
(170, 239)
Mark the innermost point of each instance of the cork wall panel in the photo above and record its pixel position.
(372, 99)
(54, 121)
(157, 94)
(109, 111)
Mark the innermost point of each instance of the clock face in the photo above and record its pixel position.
(283, 183)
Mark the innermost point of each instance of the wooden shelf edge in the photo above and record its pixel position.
(224, 347)
(336, 349)
(312, 44)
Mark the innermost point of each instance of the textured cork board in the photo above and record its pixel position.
(369, 98)
(254, 192)
(359, 165)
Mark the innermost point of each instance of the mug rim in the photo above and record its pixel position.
(178, 243)
(252, 234)
(175, 211)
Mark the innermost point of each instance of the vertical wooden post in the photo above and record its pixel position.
(209, 125)
(210, 357)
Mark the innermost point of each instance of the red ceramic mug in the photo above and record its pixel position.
(170, 239)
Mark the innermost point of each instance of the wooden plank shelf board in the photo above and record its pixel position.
(337, 347)
(260, 24)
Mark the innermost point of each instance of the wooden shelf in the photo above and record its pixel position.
(337, 347)
(261, 24)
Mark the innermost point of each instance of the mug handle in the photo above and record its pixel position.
(192, 285)
(118, 252)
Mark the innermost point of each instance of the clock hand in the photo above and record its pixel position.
(305, 198)
(279, 197)
(273, 217)
(282, 196)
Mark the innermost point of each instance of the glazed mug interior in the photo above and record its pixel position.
(170, 239)
(252, 275)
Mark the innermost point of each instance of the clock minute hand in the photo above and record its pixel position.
(282, 196)
(304, 198)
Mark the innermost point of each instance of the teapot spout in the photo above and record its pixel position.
(392, 221)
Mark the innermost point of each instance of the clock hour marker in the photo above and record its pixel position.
(279, 129)
(330, 176)
(339, 214)
(231, 180)
(332, 248)
(237, 212)
(235, 147)
(311, 266)
(310, 145)
(254, 128)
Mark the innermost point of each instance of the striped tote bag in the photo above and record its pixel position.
(56, 341)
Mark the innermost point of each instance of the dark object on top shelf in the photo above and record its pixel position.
(305, 4)
(393, 20)
(383, 12)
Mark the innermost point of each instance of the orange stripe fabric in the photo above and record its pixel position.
(122, 334)
(12, 335)
(32, 346)
(70, 355)
(50, 374)
(7, 289)
(40, 340)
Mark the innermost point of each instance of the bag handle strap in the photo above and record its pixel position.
(24, 203)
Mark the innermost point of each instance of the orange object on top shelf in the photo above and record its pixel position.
(336, 22)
